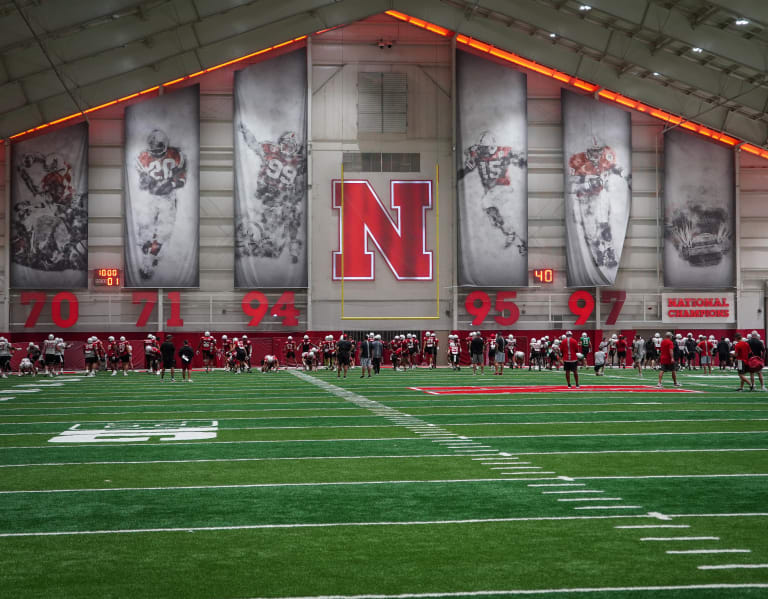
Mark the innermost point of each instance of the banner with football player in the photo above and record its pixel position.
(270, 173)
(699, 212)
(49, 211)
(598, 188)
(492, 173)
(162, 190)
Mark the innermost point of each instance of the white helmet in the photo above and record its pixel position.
(50, 337)
(207, 334)
(234, 338)
(426, 334)
(290, 338)
(657, 335)
(579, 355)
(224, 337)
(727, 340)
(678, 336)
(435, 335)
(306, 336)
(110, 338)
(614, 337)
(584, 334)
(151, 336)
(122, 338)
(533, 339)
(377, 337)
(245, 336)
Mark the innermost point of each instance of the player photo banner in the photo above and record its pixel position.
(270, 173)
(49, 211)
(162, 191)
(492, 173)
(699, 213)
(598, 188)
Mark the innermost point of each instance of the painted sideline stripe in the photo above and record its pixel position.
(316, 525)
(733, 566)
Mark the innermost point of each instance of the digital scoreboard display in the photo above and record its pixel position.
(107, 277)
(544, 275)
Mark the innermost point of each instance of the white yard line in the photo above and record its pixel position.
(513, 592)
(655, 526)
(733, 567)
(697, 551)
(591, 499)
(680, 539)
(608, 507)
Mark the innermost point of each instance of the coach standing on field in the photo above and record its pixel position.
(667, 359)
(570, 349)
(168, 354)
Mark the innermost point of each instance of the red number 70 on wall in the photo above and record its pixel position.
(580, 303)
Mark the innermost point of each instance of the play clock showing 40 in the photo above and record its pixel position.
(501, 308)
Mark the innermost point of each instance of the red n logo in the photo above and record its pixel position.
(402, 243)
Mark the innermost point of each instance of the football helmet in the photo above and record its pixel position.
(157, 142)
(288, 143)
(487, 143)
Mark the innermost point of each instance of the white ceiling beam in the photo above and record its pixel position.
(674, 23)
(543, 51)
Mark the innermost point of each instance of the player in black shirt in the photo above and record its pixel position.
(186, 354)
(168, 355)
(343, 353)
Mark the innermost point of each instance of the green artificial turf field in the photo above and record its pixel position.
(306, 485)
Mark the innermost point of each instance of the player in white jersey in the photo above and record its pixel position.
(6, 351)
(49, 355)
(26, 367)
(454, 352)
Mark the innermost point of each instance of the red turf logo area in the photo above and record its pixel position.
(364, 220)
(500, 390)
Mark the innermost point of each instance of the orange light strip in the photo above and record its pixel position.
(157, 87)
(605, 94)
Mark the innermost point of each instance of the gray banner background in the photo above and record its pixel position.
(597, 141)
(270, 176)
(699, 213)
(167, 213)
(49, 210)
(492, 173)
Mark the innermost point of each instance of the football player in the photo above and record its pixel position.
(270, 364)
(289, 351)
(207, 345)
(492, 163)
(589, 175)
(280, 186)
(162, 169)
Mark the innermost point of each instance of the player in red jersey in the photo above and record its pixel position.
(589, 175)
(280, 186)
(124, 350)
(162, 170)
(705, 347)
(430, 349)
(270, 363)
(207, 346)
(225, 352)
(151, 354)
(289, 351)
(492, 163)
(112, 357)
(569, 348)
(621, 351)
(667, 359)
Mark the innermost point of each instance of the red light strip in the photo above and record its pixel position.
(605, 94)
(472, 43)
(157, 87)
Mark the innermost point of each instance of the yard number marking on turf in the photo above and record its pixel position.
(127, 432)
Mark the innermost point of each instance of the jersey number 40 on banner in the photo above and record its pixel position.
(402, 242)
